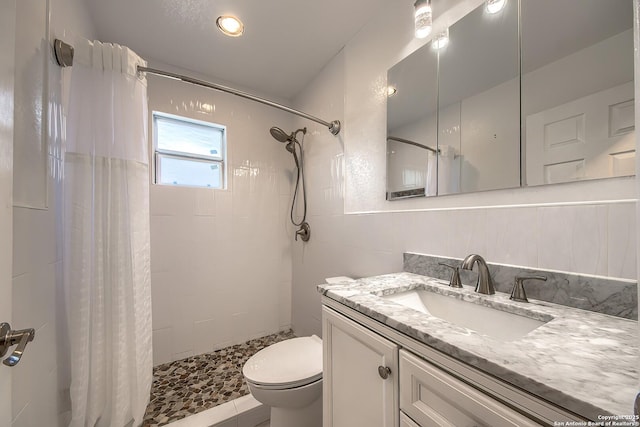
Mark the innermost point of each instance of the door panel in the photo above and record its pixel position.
(591, 137)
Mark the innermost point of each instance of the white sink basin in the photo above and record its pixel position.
(501, 325)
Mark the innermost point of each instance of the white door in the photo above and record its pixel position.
(7, 37)
(357, 392)
(590, 137)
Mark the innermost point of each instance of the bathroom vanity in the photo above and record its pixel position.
(388, 362)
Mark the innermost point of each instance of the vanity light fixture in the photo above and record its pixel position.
(230, 25)
(441, 40)
(495, 6)
(422, 18)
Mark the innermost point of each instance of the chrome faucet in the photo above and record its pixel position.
(484, 285)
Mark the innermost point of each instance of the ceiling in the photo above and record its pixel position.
(286, 42)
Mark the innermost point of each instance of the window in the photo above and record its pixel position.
(188, 152)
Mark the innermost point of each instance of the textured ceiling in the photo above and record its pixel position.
(286, 42)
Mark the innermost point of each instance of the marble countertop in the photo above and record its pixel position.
(583, 361)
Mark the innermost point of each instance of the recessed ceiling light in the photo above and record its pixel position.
(230, 25)
(495, 6)
(441, 40)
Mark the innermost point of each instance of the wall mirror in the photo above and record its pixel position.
(540, 98)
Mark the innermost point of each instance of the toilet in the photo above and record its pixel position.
(287, 376)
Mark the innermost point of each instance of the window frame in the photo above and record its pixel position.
(219, 160)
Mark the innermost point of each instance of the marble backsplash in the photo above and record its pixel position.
(616, 297)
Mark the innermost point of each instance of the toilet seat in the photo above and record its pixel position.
(284, 387)
(288, 364)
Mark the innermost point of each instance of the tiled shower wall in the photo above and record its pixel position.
(221, 259)
(587, 227)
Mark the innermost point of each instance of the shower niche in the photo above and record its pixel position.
(541, 92)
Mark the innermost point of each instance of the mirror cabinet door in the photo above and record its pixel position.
(577, 90)
(478, 103)
(411, 125)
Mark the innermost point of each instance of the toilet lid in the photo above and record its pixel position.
(297, 361)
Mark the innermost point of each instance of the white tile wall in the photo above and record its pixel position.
(221, 259)
(573, 238)
(512, 236)
(621, 228)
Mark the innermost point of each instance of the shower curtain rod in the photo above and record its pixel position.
(417, 144)
(64, 57)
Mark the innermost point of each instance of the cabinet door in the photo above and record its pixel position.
(432, 397)
(354, 392)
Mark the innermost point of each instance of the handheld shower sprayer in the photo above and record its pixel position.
(292, 142)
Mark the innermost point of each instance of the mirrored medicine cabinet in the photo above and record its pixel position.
(539, 93)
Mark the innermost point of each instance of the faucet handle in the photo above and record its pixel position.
(518, 293)
(455, 281)
(304, 232)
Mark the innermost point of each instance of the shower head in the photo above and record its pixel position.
(291, 140)
(279, 135)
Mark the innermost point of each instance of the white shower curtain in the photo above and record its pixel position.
(448, 170)
(431, 186)
(106, 238)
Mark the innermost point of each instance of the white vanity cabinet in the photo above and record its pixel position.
(354, 392)
(424, 388)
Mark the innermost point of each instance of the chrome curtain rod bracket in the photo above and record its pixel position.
(63, 53)
(64, 56)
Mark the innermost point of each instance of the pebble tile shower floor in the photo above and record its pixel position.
(186, 387)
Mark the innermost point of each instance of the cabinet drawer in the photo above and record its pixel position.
(432, 397)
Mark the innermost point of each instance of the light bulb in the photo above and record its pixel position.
(230, 25)
(423, 18)
(391, 90)
(495, 6)
(441, 40)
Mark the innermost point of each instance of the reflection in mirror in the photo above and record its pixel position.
(577, 90)
(478, 105)
(411, 125)
(462, 103)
